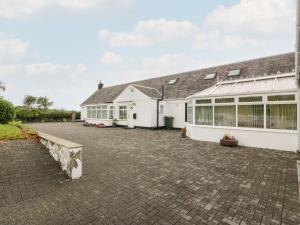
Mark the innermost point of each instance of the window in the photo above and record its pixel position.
(94, 112)
(161, 109)
(173, 81)
(251, 99)
(233, 73)
(251, 116)
(189, 112)
(225, 116)
(281, 98)
(123, 112)
(111, 112)
(204, 115)
(210, 76)
(203, 101)
(102, 112)
(89, 112)
(282, 116)
(224, 100)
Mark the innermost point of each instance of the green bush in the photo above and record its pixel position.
(7, 111)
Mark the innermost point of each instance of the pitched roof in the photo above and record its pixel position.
(192, 82)
(149, 91)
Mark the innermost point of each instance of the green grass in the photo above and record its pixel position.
(8, 132)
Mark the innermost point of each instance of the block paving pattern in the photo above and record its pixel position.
(136, 177)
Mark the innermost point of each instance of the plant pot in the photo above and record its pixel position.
(183, 135)
(229, 142)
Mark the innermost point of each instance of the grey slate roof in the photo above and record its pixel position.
(151, 92)
(192, 82)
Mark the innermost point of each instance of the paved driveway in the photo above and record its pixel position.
(149, 177)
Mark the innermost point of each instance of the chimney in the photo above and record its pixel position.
(297, 58)
(100, 85)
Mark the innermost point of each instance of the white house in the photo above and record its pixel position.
(255, 100)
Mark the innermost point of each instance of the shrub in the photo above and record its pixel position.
(16, 123)
(40, 115)
(7, 111)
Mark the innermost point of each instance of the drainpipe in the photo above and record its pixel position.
(297, 67)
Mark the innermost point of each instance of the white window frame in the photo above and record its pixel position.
(125, 109)
(100, 108)
(264, 102)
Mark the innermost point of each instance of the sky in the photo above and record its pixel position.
(63, 48)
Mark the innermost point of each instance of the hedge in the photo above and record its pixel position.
(39, 115)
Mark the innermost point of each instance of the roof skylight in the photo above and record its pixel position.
(234, 73)
(210, 76)
(173, 81)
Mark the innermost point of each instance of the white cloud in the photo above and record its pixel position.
(111, 58)
(215, 40)
(51, 68)
(15, 8)
(149, 32)
(265, 16)
(42, 69)
(12, 48)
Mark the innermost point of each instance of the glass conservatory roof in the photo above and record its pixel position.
(258, 85)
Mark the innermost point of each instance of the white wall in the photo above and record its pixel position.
(144, 107)
(271, 139)
(107, 123)
(176, 109)
(83, 114)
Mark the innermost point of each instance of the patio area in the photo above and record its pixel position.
(146, 177)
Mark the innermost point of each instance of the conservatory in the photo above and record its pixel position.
(259, 112)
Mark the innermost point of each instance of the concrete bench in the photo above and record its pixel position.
(67, 153)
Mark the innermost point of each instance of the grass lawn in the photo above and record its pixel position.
(8, 132)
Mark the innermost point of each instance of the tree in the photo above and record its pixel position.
(29, 101)
(7, 111)
(2, 86)
(43, 102)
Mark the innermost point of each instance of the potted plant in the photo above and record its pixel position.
(229, 141)
(183, 132)
(114, 122)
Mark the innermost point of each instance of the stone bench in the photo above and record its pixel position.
(67, 153)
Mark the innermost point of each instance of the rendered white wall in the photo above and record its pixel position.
(279, 140)
(144, 107)
(83, 114)
(96, 121)
(176, 109)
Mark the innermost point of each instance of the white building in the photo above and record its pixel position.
(255, 101)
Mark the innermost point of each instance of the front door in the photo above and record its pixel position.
(130, 118)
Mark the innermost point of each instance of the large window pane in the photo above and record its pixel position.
(225, 116)
(111, 112)
(190, 114)
(99, 112)
(281, 98)
(94, 113)
(224, 100)
(204, 115)
(282, 116)
(251, 116)
(89, 112)
(122, 112)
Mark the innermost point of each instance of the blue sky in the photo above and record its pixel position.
(63, 48)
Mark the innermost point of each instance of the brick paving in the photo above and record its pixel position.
(147, 177)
